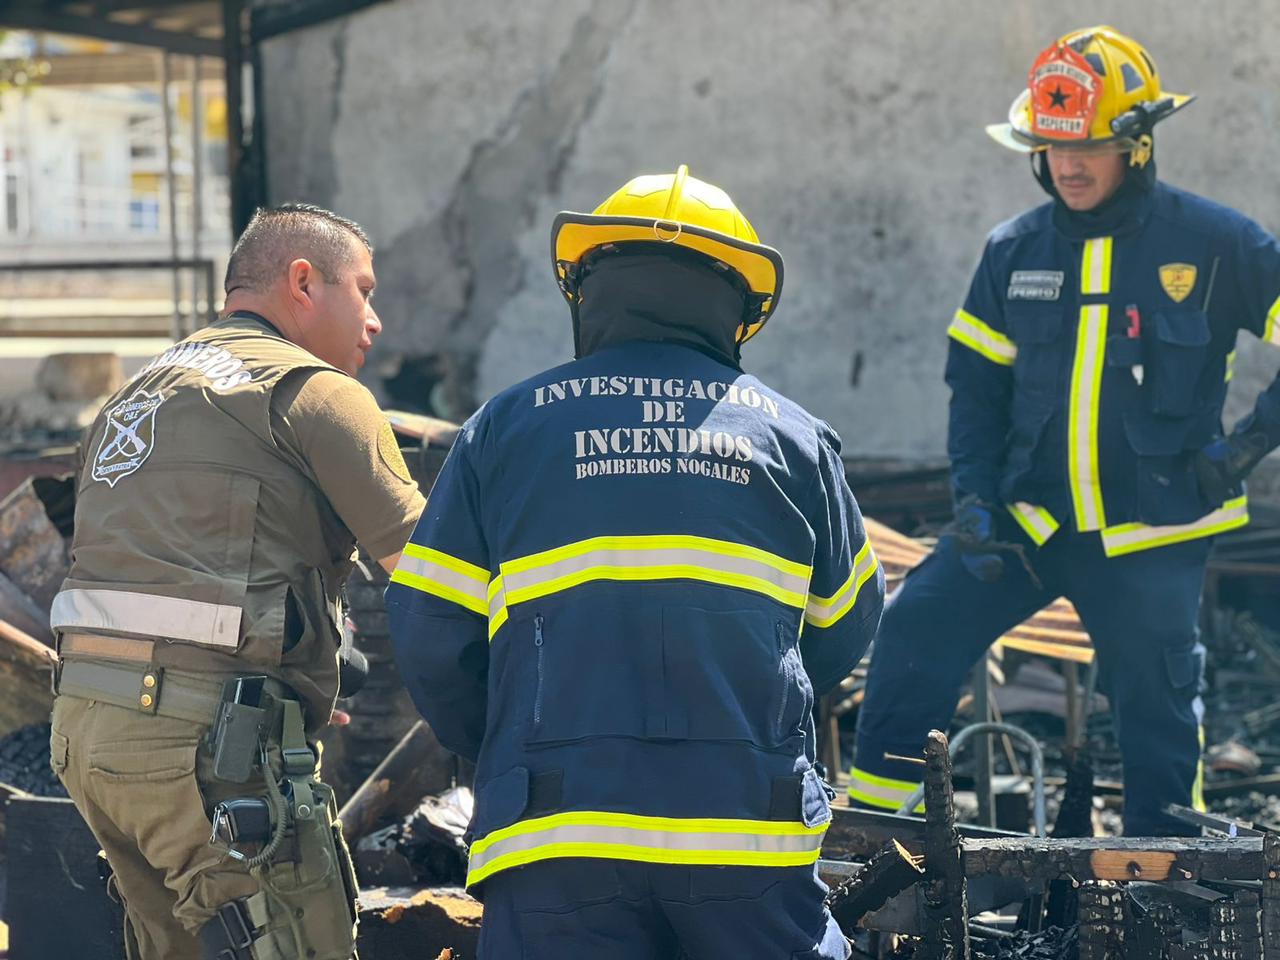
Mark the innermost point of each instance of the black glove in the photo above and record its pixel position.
(973, 531)
(973, 534)
(1222, 466)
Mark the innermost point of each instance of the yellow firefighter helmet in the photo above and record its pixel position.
(675, 209)
(1094, 89)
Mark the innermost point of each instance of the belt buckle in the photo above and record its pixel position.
(149, 690)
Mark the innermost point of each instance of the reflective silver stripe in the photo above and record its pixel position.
(824, 612)
(886, 793)
(1095, 266)
(648, 839)
(147, 615)
(1132, 537)
(655, 558)
(429, 575)
(1037, 522)
(1082, 440)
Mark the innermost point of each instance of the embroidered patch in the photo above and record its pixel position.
(1178, 280)
(129, 437)
(390, 452)
(1035, 285)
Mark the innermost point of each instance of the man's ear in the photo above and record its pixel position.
(300, 278)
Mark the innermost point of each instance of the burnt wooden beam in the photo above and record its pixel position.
(1235, 928)
(1102, 921)
(1271, 894)
(1117, 858)
(946, 907)
(417, 767)
(885, 875)
(860, 834)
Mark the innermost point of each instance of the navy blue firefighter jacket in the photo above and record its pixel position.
(1086, 371)
(631, 576)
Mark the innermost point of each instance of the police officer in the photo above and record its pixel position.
(222, 492)
(1088, 369)
(633, 574)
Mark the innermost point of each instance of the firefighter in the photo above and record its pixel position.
(1088, 368)
(220, 498)
(634, 574)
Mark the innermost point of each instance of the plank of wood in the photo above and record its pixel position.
(1115, 858)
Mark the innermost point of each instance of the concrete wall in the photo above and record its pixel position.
(850, 133)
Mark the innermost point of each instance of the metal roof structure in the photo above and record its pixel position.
(229, 31)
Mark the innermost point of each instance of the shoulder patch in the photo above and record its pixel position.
(389, 450)
(129, 437)
(1178, 280)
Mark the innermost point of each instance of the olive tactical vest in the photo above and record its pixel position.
(193, 528)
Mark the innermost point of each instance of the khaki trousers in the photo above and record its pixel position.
(144, 785)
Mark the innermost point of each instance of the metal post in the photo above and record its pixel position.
(197, 188)
(983, 767)
(175, 327)
(233, 51)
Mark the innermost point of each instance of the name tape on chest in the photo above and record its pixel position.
(1035, 285)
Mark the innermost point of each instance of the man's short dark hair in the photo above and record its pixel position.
(276, 236)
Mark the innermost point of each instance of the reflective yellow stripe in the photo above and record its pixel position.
(1132, 537)
(884, 793)
(1271, 333)
(497, 601)
(825, 611)
(1095, 266)
(1036, 522)
(1231, 367)
(624, 836)
(443, 576)
(976, 335)
(461, 567)
(1082, 430)
(640, 558)
(1197, 788)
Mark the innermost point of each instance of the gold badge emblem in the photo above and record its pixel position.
(1178, 279)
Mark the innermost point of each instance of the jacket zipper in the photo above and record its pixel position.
(537, 642)
(786, 676)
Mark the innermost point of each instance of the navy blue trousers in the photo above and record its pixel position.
(1141, 611)
(622, 910)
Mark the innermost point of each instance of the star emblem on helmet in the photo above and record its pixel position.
(1058, 98)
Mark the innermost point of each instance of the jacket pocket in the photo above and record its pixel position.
(1175, 358)
(795, 693)
(1166, 491)
(500, 802)
(721, 673)
(1038, 333)
(1028, 423)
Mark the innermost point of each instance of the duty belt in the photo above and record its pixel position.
(113, 670)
